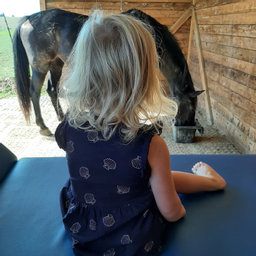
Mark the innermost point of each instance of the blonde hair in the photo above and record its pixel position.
(112, 77)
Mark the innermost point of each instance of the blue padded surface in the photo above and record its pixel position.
(30, 218)
(216, 224)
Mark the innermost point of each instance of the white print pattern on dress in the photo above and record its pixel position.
(93, 136)
(84, 172)
(136, 162)
(145, 213)
(123, 190)
(74, 241)
(109, 220)
(109, 164)
(75, 227)
(148, 247)
(70, 146)
(126, 240)
(89, 198)
(110, 252)
(92, 225)
(70, 208)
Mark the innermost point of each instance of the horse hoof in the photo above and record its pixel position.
(46, 132)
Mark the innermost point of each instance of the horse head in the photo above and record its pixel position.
(182, 90)
(186, 108)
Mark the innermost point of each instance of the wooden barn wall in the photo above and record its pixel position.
(164, 11)
(228, 38)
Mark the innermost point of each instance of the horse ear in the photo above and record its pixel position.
(195, 93)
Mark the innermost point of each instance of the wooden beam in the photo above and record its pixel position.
(240, 54)
(183, 18)
(179, 2)
(244, 66)
(248, 18)
(202, 70)
(191, 33)
(232, 40)
(231, 8)
(42, 5)
(108, 5)
(229, 30)
(190, 37)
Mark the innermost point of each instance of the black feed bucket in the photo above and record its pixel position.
(186, 134)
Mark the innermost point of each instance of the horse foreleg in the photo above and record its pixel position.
(35, 90)
(52, 92)
(54, 75)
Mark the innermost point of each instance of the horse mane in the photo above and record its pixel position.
(162, 33)
(165, 38)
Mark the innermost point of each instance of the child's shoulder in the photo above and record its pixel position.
(60, 136)
(150, 130)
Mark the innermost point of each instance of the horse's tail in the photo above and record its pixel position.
(21, 71)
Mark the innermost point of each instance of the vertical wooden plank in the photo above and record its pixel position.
(190, 36)
(202, 70)
(42, 5)
(191, 33)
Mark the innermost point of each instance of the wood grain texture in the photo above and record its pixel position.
(155, 1)
(42, 5)
(232, 74)
(234, 41)
(229, 30)
(237, 18)
(243, 66)
(146, 5)
(235, 103)
(240, 7)
(210, 3)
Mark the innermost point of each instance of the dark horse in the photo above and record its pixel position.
(44, 41)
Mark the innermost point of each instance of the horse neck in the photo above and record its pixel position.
(174, 67)
(173, 62)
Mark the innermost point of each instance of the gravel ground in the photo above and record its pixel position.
(25, 141)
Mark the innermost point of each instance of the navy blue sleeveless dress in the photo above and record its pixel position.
(107, 204)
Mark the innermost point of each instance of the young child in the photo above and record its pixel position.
(121, 192)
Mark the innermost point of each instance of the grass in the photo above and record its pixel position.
(7, 87)
(6, 56)
(12, 22)
(6, 65)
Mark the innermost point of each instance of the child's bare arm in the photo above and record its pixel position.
(162, 182)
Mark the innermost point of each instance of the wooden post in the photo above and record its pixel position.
(201, 65)
(42, 5)
(190, 35)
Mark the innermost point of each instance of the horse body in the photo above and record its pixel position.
(44, 41)
(46, 38)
